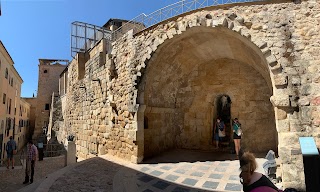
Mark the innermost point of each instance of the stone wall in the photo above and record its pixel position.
(48, 83)
(155, 91)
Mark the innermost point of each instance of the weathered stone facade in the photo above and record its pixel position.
(157, 89)
(48, 83)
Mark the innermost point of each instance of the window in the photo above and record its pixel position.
(45, 71)
(2, 125)
(47, 106)
(4, 98)
(6, 74)
(10, 106)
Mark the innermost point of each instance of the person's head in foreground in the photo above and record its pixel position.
(248, 165)
(253, 181)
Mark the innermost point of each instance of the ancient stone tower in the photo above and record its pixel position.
(48, 83)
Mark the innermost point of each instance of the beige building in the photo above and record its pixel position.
(23, 132)
(48, 83)
(33, 103)
(13, 112)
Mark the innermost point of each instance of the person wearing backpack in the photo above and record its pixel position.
(11, 150)
(237, 132)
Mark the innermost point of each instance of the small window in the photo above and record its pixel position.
(4, 98)
(6, 75)
(45, 71)
(47, 106)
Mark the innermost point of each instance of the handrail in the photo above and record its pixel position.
(167, 12)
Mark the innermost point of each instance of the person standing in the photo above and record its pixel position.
(237, 132)
(219, 129)
(11, 150)
(30, 162)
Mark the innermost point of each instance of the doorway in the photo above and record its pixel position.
(222, 110)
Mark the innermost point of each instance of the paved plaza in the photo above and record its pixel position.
(177, 170)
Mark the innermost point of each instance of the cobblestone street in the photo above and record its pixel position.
(11, 179)
(176, 170)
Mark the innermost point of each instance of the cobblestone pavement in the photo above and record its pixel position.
(177, 170)
(11, 179)
(173, 171)
(182, 170)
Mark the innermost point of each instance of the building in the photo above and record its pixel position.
(23, 132)
(48, 84)
(14, 112)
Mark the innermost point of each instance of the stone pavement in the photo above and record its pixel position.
(177, 170)
(11, 179)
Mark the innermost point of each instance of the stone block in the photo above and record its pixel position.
(237, 29)
(315, 101)
(295, 80)
(261, 44)
(276, 68)
(220, 22)
(306, 112)
(305, 90)
(304, 101)
(290, 173)
(272, 60)
(283, 126)
(281, 114)
(280, 80)
(280, 100)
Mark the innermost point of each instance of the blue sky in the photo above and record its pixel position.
(33, 29)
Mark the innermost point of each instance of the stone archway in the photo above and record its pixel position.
(183, 75)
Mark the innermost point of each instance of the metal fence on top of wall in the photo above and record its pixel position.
(84, 36)
(168, 12)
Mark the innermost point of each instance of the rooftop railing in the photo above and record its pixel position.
(144, 21)
(84, 36)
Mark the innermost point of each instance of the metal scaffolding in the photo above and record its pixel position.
(84, 36)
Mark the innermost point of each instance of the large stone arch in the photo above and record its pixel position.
(240, 48)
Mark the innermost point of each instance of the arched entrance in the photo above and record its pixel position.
(222, 110)
(187, 73)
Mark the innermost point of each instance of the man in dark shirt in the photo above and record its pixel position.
(11, 148)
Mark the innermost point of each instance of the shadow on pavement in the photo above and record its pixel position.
(98, 174)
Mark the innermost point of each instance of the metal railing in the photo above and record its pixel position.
(144, 21)
(85, 36)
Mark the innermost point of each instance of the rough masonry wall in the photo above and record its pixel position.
(110, 117)
(286, 35)
(100, 125)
